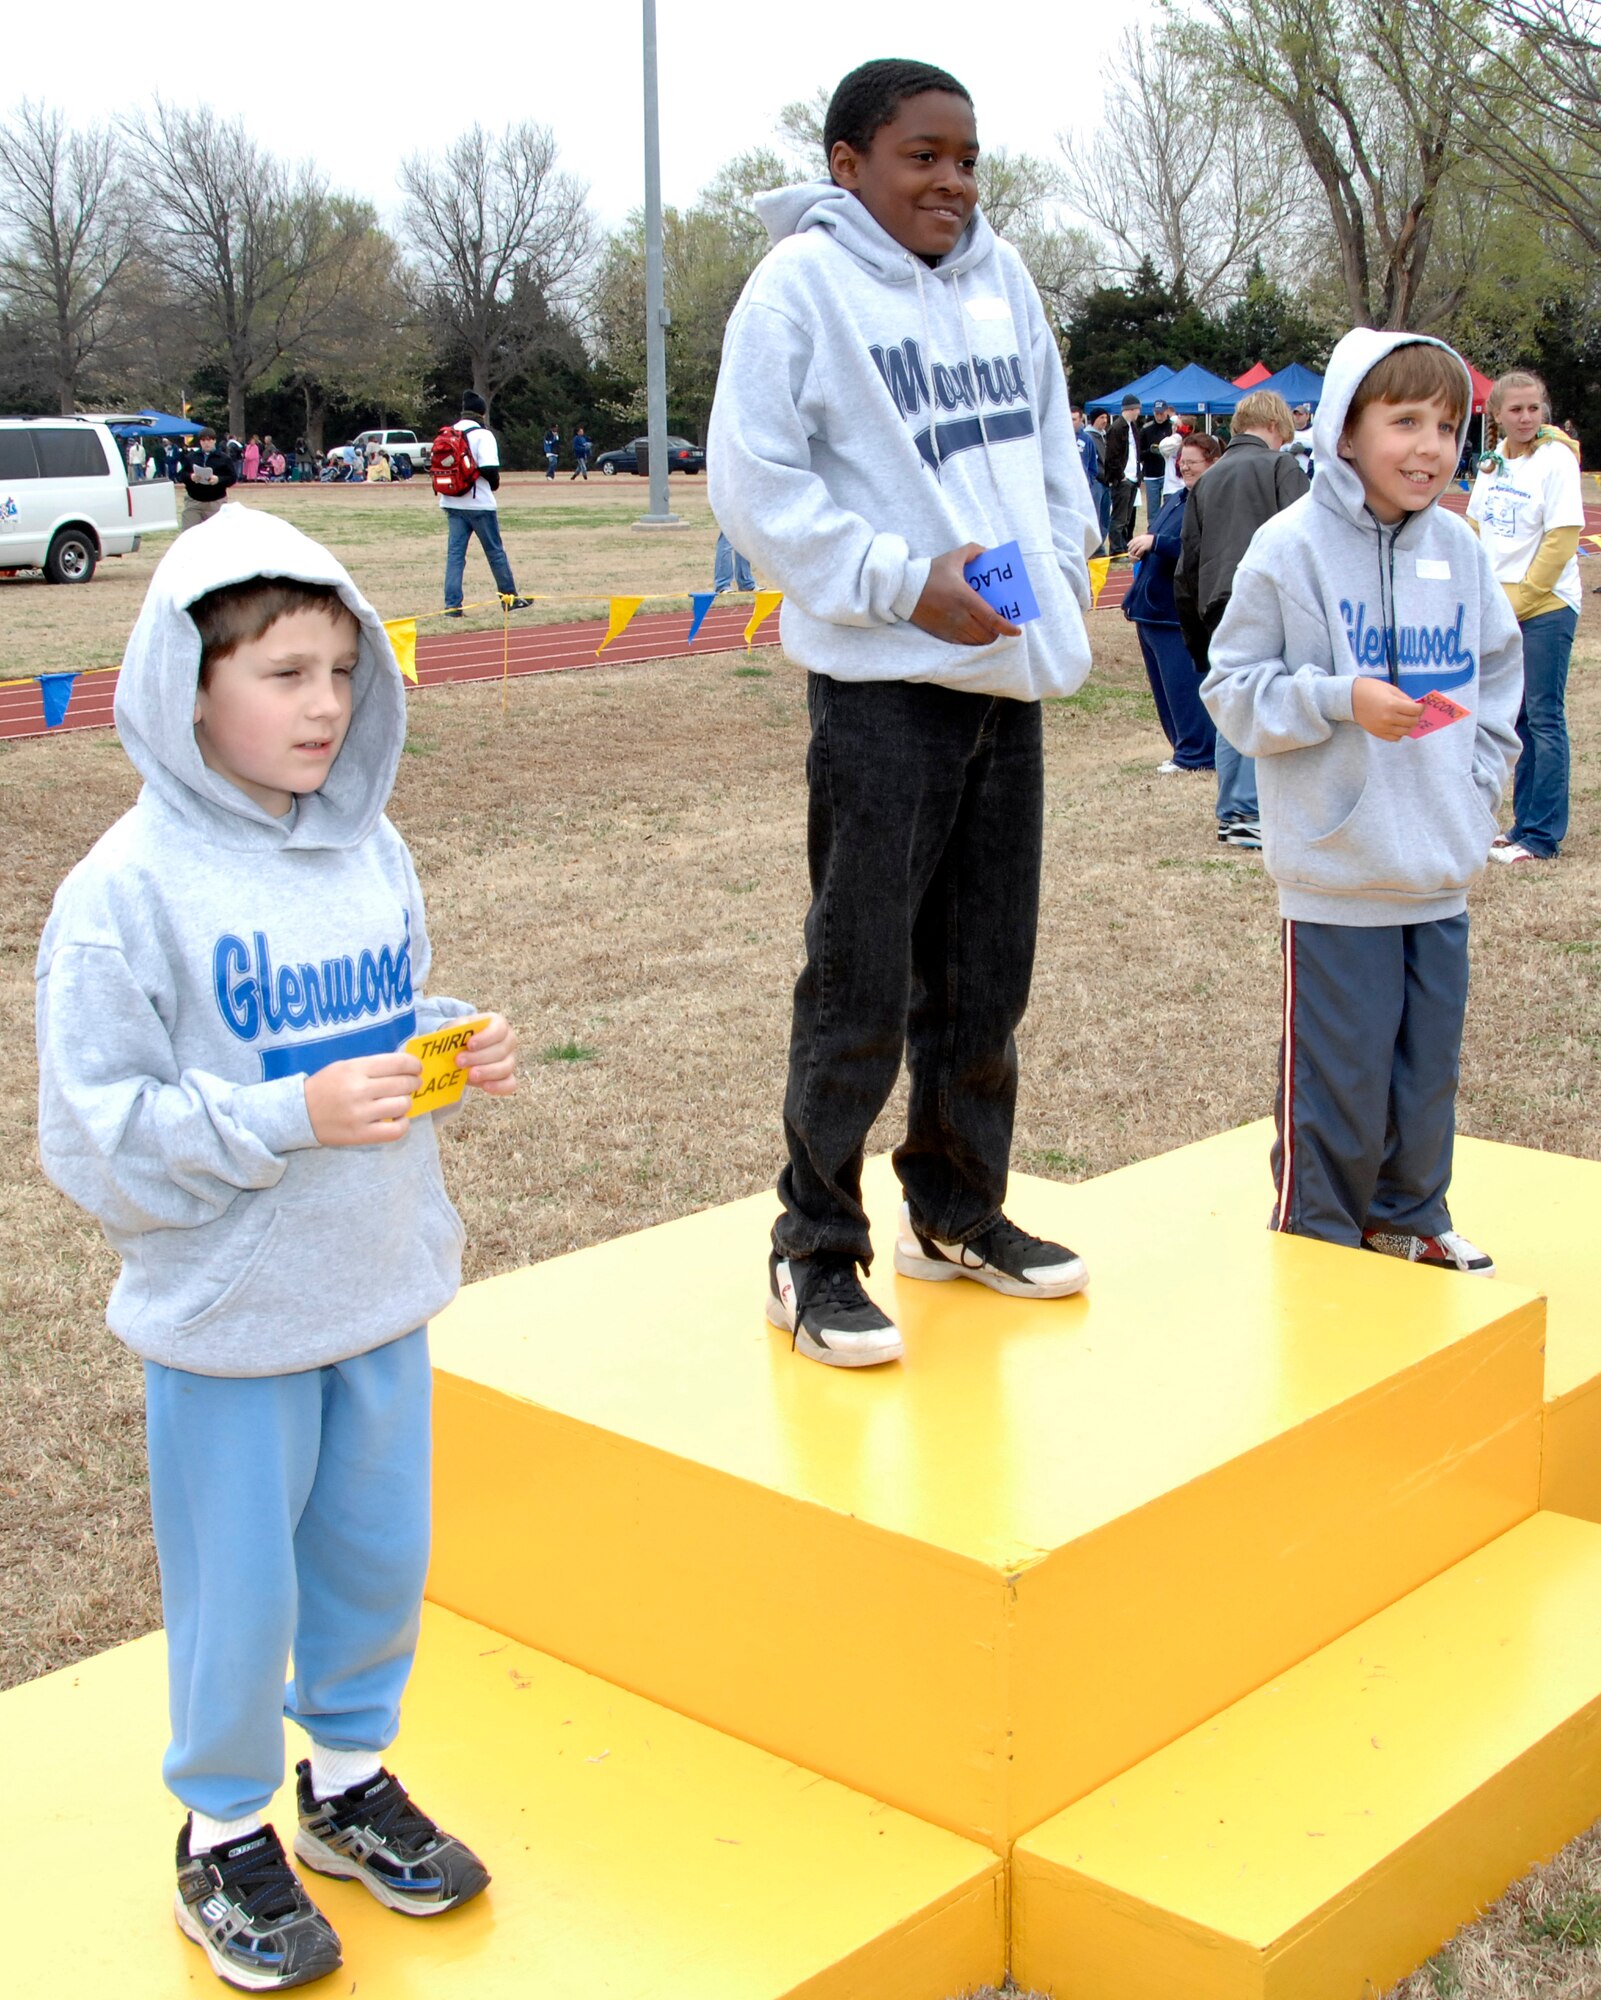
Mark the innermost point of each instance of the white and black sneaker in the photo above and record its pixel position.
(1004, 1257)
(820, 1301)
(1446, 1252)
(243, 1905)
(374, 1834)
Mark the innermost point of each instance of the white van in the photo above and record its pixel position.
(65, 500)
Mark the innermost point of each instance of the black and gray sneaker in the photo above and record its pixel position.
(374, 1834)
(243, 1905)
(821, 1302)
(1004, 1257)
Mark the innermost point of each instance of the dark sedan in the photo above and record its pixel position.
(682, 456)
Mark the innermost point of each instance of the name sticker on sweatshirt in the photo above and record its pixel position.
(1434, 569)
(1439, 712)
(988, 309)
(442, 1081)
(1000, 576)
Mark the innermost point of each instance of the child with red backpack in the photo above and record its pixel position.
(466, 476)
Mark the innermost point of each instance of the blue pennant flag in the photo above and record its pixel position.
(55, 691)
(701, 601)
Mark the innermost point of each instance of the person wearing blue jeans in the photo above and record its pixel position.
(1540, 782)
(1149, 604)
(460, 527)
(476, 512)
(730, 569)
(1529, 512)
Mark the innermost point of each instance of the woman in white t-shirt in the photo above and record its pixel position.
(1528, 510)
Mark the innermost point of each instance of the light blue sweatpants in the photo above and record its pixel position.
(291, 1515)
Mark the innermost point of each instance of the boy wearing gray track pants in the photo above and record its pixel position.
(1372, 663)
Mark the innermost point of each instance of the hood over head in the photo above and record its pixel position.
(821, 204)
(1363, 348)
(155, 699)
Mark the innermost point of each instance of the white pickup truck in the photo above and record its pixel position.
(65, 500)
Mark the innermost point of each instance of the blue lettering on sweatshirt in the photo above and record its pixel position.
(256, 997)
(995, 380)
(1426, 647)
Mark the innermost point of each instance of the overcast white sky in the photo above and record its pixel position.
(350, 85)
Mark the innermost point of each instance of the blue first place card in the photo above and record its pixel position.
(1000, 576)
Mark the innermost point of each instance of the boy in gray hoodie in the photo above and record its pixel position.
(891, 404)
(225, 990)
(1371, 662)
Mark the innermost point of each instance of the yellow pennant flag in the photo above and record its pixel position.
(622, 610)
(1099, 565)
(403, 637)
(767, 602)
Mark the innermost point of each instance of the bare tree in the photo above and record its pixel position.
(257, 249)
(1530, 92)
(1371, 89)
(1174, 180)
(502, 238)
(366, 343)
(68, 236)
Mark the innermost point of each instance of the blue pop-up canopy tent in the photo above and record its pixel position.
(1296, 385)
(156, 423)
(1145, 387)
(1196, 391)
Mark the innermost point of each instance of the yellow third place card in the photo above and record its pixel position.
(442, 1081)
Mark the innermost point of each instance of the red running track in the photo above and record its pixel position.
(535, 649)
(449, 656)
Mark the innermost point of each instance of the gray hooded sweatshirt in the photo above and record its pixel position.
(873, 413)
(200, 962)
(1355, 831)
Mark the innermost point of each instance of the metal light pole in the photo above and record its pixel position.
(656, 317)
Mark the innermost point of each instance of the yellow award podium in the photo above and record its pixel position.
(1229, 1632)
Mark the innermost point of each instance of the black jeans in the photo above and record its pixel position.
(1124, 495)
(923, 838)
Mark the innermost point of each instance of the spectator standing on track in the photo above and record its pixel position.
(1149, 604)
(1091, 451)
(552, 451)
(205, 481)
(1527, 508)
(476, 511)
(730, 569)
(1122, 471)
(583, 445)
(1255, 480)
(1098, 426)
(1157, 426)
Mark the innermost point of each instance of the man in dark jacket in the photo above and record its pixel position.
(1255, 479)
(206, 479)
(1122, 471)
(1153, 466)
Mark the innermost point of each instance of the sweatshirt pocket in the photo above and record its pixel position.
(268, 1247)
(1409, 832)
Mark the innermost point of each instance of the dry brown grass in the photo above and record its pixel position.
(617, 862)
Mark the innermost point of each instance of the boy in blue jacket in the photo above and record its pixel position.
(891, 404)
(1371, 662)
(225, 989)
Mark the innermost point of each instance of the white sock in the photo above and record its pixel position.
(205, 1832)
(337, 1770)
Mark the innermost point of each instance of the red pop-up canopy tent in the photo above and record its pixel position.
(1257, 372)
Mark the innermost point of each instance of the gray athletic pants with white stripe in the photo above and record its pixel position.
(1368, 1064)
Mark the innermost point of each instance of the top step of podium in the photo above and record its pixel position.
(1012, 1427)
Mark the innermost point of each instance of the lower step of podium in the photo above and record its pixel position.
(635, 1854)
(1322, 1837)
